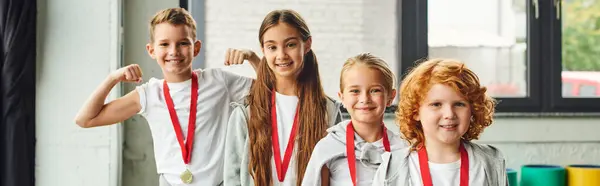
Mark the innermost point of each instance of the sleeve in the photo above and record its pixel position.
(322, 155)
(238, 86)
(312, 175)
(141, 89)
(235, 144)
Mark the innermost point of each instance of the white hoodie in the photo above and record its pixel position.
(237, 145)
(331, 152)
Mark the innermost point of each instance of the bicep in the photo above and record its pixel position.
(118, 110)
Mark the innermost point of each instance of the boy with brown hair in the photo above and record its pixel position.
(187, 111)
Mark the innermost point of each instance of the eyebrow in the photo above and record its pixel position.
(163, 40)
(453, 101)
(370, 86)
(285, 40)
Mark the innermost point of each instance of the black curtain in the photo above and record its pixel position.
(17, 92)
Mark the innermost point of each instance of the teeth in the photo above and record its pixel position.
(448, 126)
(174, 61)
(284, 64)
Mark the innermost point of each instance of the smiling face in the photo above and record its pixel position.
(444, 114)
(364, 94)
(284, 50)
(173, 48)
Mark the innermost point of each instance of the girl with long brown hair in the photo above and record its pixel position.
(271, 137)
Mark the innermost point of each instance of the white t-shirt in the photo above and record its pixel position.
(216, 90)
(447, 174)
(286, 110)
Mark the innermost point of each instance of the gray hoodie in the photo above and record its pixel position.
(333, 147)
(236, 143)
(394, 170)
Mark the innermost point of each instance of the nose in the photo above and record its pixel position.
(449, 112)
(364, 97)
(173, 50)
(281, 55)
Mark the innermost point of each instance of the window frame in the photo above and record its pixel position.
(544, 94)
(197, 8)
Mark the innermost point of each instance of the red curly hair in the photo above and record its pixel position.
(448, 72)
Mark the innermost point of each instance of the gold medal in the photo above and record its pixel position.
(186, 176)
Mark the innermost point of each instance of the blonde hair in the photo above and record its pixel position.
(447, 72)
(372, 62)
(175, 16)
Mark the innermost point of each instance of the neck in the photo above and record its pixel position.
(176, 78)
(370, 132)
(438, 152)
(286, 86)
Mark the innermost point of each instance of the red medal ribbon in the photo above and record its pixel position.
(282, 167)
(350, 148)
(186, 148)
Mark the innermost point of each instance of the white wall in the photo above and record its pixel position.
(77, 48)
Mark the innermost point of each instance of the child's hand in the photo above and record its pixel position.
(237, 57)
(130, 73)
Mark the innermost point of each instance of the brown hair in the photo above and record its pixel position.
(313, 106)
(372, 62)
(175, 16)
(448, 72)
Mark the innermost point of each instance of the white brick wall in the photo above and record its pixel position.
(340, 29)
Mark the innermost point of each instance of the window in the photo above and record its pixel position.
(533, 55)
(588, 91)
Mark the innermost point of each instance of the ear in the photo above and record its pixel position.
(150, 50)
(307, 45)
(391, 98)
(341, 96)
(197, 47)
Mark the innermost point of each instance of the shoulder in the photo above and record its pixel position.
(153, 86)
(152, 82)
(209, 73)
(485, 150)
(240, 112)
(328, 142)
(327, 149)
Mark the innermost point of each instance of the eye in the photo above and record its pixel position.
(436, 104)
(185, 43)
(291, 45)
(376, 90)
(355, 91)
(460, 104)
(163, 44)
(271, 48)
